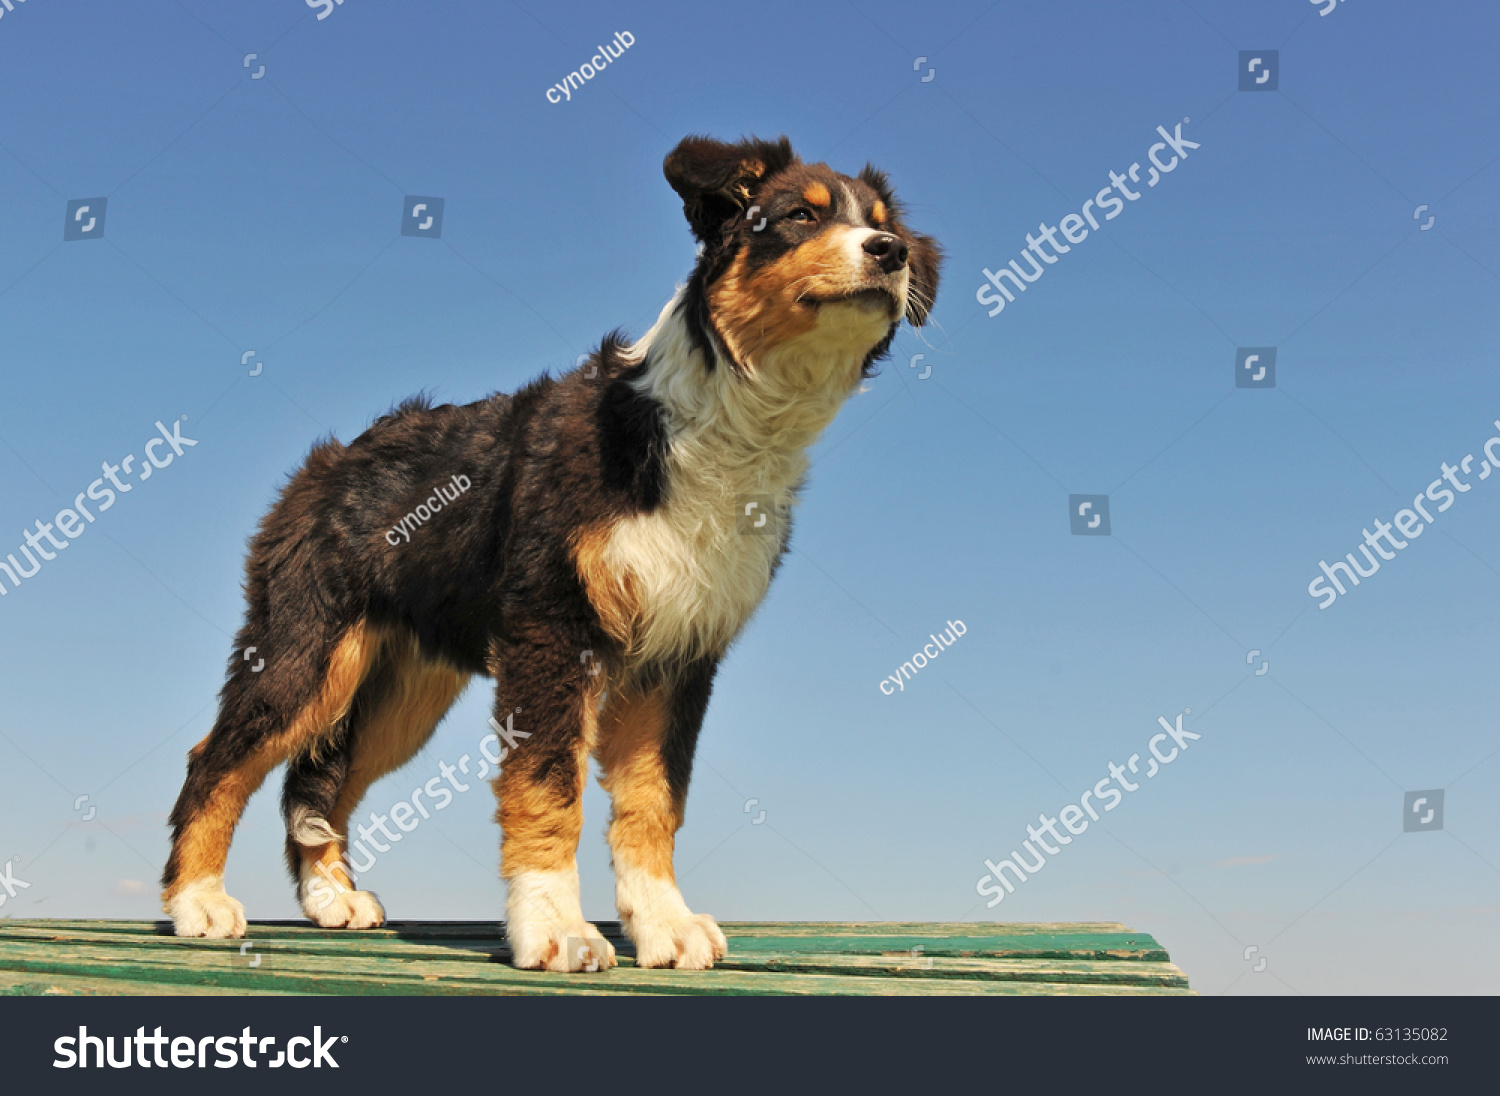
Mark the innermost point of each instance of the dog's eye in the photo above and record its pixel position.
(803, 215)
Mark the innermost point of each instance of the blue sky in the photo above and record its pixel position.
(262, 214)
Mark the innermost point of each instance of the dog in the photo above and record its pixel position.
(586, 544)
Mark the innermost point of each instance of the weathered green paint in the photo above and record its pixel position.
(457, 958)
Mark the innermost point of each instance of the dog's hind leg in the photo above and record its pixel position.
(314, 849)
(393, 715)
(266, 714)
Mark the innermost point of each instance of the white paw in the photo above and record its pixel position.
(565, 948)
(665, 931)
(687, 941)
(545, 925)
(345, 909)
(201, 908)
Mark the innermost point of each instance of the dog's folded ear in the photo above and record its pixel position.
(717, 181)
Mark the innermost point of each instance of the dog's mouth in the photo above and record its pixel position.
(872, 298)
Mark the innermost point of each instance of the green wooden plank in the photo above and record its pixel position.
(931, 929)
(611, 928)
(803, 954)
(1040, 946)
(959, 940)
(173, 980)
(199, 955)
(1125, 945)
(1080, 972)
(806, 959)
(15, 984)
(459, 958)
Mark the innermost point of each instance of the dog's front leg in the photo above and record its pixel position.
(646, 739)
(546, 719)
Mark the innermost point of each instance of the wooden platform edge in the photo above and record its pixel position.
(471, 958)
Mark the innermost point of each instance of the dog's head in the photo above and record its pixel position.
(797, 256)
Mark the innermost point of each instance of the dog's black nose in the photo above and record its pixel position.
(889, 250)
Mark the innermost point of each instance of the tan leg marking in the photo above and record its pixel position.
(421, 692)
(538, 857)
(645, 817)
(204, 845)
(642, 832)
(542, 823)
(196, 901)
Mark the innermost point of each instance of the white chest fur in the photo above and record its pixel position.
(696, 570)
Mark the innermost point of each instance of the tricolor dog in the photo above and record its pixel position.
(595, 568)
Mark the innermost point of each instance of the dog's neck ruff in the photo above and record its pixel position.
(733, 436)
(765, 412)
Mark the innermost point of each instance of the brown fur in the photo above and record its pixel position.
(331, 857)
(762, 308)
(645, 814)
(541, 800)
(612, 596)
(421, 693)
(203, 846)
